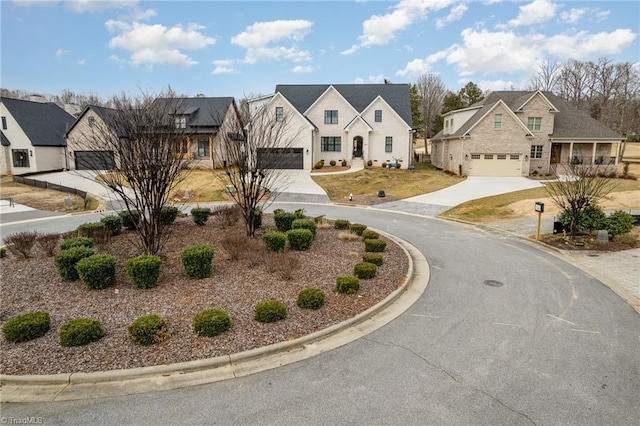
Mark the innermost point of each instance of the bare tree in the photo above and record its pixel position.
(147, 143)
(581, 186)
(259, 152)
(431, 90)
(546, 77)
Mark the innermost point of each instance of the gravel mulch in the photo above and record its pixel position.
(235, 286)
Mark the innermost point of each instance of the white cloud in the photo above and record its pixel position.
(61, 52)
(493, 85)
(380, 29)
(372, 79)
(532, 13)
(98, 6)
(26, 3)
(574, 15)
(257, 38)
(224, 66)
(300, 69)
(455, 14)
(157, 44)
(584, 45)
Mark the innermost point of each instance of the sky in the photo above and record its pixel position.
(245, 48)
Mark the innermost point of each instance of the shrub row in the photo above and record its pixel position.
(594, 218)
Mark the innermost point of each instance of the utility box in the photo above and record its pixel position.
(539, 207)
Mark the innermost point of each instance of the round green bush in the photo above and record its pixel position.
(130, 219)
(375, 258)
(97, 271)
(275, 241)
(357, 228)
(310, 298)
(368, 234)
(200, 215)
(369, 163)
(211, 322)
(374, 246)
(148, 329)
(80, 331)
(113, 223)
(300, 239)
(332, 163)
(66, 260)
(620, 223)
(365, 270)
(196, 261)
(341, 224)
(168, 215)
(87, 229)
(270, 311)
(284, 220)
(76, 242)
(305, 224)
(344, 163)
(319, 164)
(347, 284)
(144, 270)
(592, 217)
(26, 327)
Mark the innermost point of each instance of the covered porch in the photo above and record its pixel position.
(604, 154)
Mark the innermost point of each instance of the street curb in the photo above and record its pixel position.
(75, 386)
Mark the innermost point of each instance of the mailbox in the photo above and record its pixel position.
(539, 207)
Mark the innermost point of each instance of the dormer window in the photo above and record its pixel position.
(181, 122)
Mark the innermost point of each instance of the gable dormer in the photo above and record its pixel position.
(331, 109)
(537, 113)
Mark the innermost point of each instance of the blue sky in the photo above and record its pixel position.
(245, 48)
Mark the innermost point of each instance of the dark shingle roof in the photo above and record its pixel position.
(360, 96)
(4, 140)
(45, 124)
(205, 114)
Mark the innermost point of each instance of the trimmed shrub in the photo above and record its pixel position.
(374, 246)
(319, 164)
(26, 327)
(375, 258)
(97, 271)
(3, 253)
(369, 163)
(144, 270)
(76, 242)
(592, 217)
(211, 322)
(87, 229)
(341, 224)
(21, 243)
(357, 228)
(383, 165)
(284, 220)
(113, 223)
(620, 223)
(299, 214)
(275, 241)
(344, 163)
(80, 331)
(168, 215)
(332, 163)
(200, 215)
(300, 239)
(368, 234)
(196, 261)
(148, 329)
(66, 261)
(257, 217)
(48, 243)
(627, 239)
(270, 311)
(310, 298)
(347, 284)
(365, 270)
(305, 224)
(130, 219)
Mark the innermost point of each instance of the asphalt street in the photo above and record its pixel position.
(506, 333)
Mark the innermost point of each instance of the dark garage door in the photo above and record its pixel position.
(94, 160)
(280, 158)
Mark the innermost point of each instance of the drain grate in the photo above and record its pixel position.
(493, 283)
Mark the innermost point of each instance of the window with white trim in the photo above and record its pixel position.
(534, 123)
(497, 121)
(331, 116)
(388, 144)
(279, 113)
(181, 122)
(536, 151)
(330, 144)
(378, 116)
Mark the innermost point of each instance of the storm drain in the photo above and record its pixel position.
(492, 283)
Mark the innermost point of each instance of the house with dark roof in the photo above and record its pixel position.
(519, 133)
(352, 122)
(82, 153)
(32, 137)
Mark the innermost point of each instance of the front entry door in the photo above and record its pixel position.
(556, 153)
(357, 147)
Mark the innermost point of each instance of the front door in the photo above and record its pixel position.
(357, 147)
(556, 153)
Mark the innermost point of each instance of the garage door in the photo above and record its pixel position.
(280, 158)
(94, 160)
(495, 165)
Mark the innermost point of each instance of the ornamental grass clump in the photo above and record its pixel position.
(211, 322)
(144, 270)
(66, 260)
(148, 329)
(26, 327)
(310, 298)
(270, 311)
(196, 261)
(97, 271)
(375, 258)
(275, 241)
(347, 284)
(81, 331)
(357, 228)
(21, 244)
(309, 224)
(299, 239)
(365, 270)
(48, 243)
(374, 246)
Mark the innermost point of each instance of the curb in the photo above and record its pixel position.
(75, 386)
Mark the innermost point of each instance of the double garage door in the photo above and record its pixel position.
(94, 160)
(495, 165)
(281, 158)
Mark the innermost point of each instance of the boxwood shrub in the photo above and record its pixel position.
(196, 261)
(347, 284)
(66, 260)
(168, 215)
(310, 298)
(309, 224)
(97, 271)
(341, 224)
(275, 241)
(211, 322)
(80, 331)
(87, 229)
(368, 234)
(148, 329)
(76, 242)
(113, 223)
(144, 270)
(130, 219)
(200, 215)
(300, 239)
(365, 270)
(283, 220)
(620, 222)
(26, 327)
(270, 311)
(375, 258)
(374, 246)
(357, 228)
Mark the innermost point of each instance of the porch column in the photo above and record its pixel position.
(570, 152)
(619, 145)
(593, 155)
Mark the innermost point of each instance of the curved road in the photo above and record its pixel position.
(506, 334)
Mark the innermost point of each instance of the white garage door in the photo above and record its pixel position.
(495, 165)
